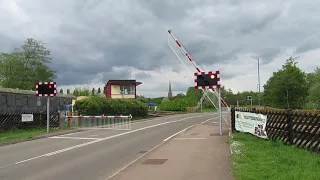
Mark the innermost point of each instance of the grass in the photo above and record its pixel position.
(21, 134)
(256, 158)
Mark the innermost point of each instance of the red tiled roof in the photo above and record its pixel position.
(124, 82)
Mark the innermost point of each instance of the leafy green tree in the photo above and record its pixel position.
(11, 70)
(287, 88)
(313, 99)
(194, 93)
(76, 92)
(104, 89)
(93, 92)
(61, 91)
(68, 91)
(85, 92)
(99, 91)
(25, 66)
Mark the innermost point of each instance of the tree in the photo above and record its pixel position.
(93, 92)
(76, 92)
(104, 89)
(84, 92)
(23, 67)
(68, 91)
(61, 91)
(287, 88)
(193, 93)
(11, 70)
(313, 99)
(99, 91)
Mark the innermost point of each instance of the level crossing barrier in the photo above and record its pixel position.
(106, 122)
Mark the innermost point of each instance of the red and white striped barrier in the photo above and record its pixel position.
(186, 54)
(129, 117)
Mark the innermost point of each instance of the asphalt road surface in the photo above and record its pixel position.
(90, 155)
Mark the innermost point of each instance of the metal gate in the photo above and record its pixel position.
(105, 122)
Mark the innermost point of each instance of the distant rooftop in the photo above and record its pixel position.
(23, 91)
(124, 82)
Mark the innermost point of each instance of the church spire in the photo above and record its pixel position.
(170, 91)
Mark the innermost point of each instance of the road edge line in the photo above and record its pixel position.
(183, 130)
(154, 148)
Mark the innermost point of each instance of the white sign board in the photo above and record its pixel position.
(251, 123)
(27, 117)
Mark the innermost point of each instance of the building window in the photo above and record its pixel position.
(127, 89)
(3, 101)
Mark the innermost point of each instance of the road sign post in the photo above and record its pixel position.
(220, 111)
(48, 113)
(47, 89)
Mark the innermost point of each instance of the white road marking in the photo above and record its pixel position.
(61, 137)
(189, 138)
(69, 134)
(183, 130)
(134, 161)
(209, 120)
(95, 141)
(110, 128)
(132, 122)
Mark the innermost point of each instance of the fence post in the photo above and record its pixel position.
(233, 120)
(289, 126)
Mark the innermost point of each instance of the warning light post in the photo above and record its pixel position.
(212, 81)
(48, 89)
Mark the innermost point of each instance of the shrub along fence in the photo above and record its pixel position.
(96, 105)
(9, 121)
(178, 104)
(297, 128)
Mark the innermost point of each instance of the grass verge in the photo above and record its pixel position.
(21, 134)
(256, 158)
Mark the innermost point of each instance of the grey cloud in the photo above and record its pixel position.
(308, 45)
(142, 75)
(89, 38)
(266, 55)
(227, 75)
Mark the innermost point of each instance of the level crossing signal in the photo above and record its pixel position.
(207, 80)
(46, 89)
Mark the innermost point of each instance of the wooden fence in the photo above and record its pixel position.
(301, 129)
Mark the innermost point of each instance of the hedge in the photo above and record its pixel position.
(96, 105)
(180, 104)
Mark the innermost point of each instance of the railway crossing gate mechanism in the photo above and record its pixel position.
(205, 81)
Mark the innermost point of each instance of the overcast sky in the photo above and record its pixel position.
(93, 41)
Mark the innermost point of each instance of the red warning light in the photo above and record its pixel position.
(212, 76)
(50, 86)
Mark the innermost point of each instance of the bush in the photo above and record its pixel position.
(96, 105)
(180, 104)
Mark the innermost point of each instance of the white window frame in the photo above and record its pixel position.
(131, 89)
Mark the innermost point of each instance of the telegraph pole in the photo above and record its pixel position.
(259, 95)
(259, 81)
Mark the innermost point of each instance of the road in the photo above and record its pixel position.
(90, 155)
